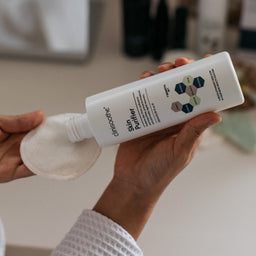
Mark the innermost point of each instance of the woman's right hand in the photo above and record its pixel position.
(145, 166)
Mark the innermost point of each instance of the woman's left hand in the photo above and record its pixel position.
(12, 131)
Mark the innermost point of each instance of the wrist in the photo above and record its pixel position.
(126, 205)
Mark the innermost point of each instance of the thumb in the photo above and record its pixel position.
(190, 135)
(21, 123)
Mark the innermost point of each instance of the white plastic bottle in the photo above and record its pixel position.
(157, 102)
(212, 25)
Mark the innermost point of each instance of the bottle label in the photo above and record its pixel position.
(147, 114)
(152, 106)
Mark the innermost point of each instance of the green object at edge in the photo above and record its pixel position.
(239, 129)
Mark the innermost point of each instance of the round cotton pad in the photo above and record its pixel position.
(47, 151)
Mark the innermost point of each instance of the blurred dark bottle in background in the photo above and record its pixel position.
(136, 23)
(248, 25)
(152, 27)
(180, 26)
(160, 25)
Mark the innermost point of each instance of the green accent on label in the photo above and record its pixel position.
(194, 100)
(188, 80)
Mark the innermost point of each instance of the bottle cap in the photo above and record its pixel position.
(78, 128)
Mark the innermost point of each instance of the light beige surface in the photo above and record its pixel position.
(26, 251)
(208, 210)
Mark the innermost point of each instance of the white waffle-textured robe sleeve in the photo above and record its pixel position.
(96, 235)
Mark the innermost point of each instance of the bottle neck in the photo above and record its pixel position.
(78, 128)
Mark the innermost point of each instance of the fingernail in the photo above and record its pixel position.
(165, 66)
(182, 61)
(147, 74)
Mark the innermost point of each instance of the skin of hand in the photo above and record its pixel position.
(144, 167)
(12, 131)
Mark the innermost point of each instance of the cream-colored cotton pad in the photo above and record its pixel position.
(47, 151)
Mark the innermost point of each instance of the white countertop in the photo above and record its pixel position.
(209, 209)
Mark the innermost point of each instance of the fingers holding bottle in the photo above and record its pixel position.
(166, 66)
